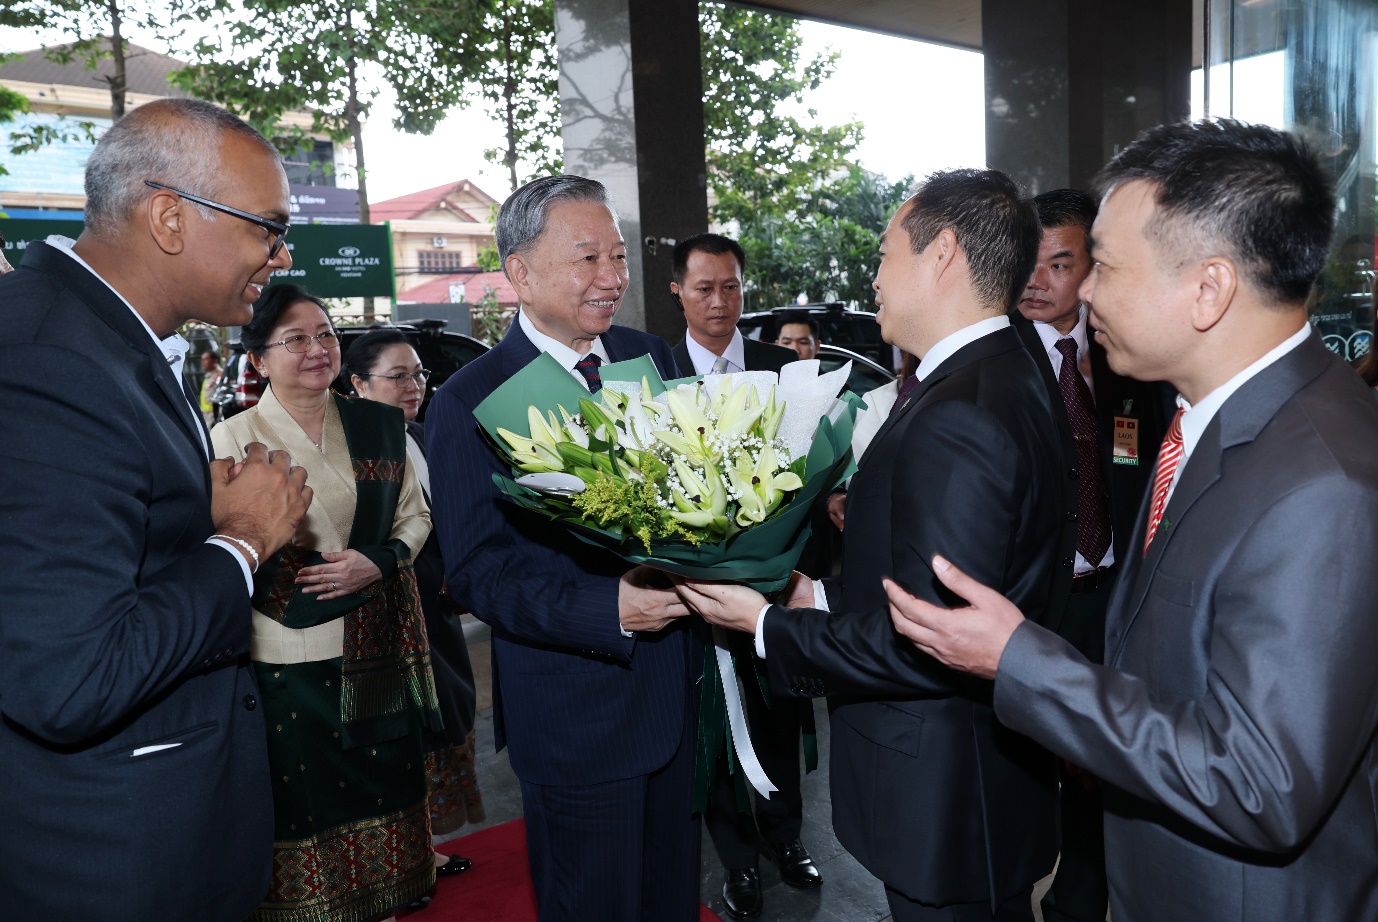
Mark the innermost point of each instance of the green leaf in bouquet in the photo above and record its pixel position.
(543, 383)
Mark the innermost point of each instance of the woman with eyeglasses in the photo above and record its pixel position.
(383, 366)
(339, 640)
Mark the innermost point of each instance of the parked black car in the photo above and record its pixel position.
(854, 330)
(441, 351)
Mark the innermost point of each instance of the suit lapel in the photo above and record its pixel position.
(517, 350)
(108, 306)
(1239, 421)
(991, 344)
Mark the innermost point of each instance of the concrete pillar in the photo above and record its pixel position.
(631, 97)
(1069, 82)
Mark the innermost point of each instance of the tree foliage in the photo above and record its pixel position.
(328, 57)
(809, 219)
(519, 81)
(761, 158)
(826, 249)
(96, 31)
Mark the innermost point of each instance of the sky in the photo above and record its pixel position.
(921, 105)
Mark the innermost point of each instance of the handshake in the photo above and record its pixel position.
(260, 500)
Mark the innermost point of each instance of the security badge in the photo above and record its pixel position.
(1126, 445)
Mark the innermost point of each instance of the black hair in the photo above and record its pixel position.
(363, 354)
(253, 336)
(1258, 192)
(807, 320)
(996, 228)
(712, 244)
(1066, 208)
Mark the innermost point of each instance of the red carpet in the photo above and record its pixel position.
(498, 887)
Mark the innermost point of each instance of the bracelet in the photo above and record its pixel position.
(242, 543)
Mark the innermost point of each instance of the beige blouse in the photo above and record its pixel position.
(328, 520)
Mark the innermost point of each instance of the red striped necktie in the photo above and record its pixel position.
(1169, 457)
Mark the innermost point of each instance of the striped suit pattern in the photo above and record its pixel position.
(599, 727)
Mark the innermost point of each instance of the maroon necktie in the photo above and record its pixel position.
(905, 390)
(588, 367)
(1093, 525)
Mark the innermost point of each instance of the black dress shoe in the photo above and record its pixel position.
(741, 892)
(419, 904)
(796, 866)
(456, 865)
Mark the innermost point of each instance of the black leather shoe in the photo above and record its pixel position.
(742, 893)
(419, 904)
(456, 865)
(796, 866)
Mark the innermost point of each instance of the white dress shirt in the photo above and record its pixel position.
(703, 358)
(559, 351)
(1196, 418)
(941, 351)
(174, 348)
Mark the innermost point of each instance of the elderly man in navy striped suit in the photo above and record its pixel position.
(592, 663)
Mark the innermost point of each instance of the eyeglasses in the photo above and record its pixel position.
(301, 342)
(403, 381)
(278, 229)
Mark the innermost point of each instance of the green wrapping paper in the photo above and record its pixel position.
(762, 556)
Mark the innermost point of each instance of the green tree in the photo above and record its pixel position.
(97, 30)
(519, 81)
(326, 57)
(762, 160)
(826, 249)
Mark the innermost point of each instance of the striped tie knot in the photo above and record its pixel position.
(1169, 458)
(588, 367)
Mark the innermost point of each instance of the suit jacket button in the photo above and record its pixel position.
(250, 702)
(1071, 516)
(1073, 474)
(1068, 562)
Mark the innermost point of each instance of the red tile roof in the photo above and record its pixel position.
(437, 289)
(413, 205)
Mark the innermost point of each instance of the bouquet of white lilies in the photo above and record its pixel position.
(709, 478)
(695, 467)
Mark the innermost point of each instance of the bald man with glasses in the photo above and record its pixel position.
(134, 777)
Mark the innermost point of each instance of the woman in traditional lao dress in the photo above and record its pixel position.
(339, 641)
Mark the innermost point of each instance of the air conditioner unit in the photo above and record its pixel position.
(439, 242)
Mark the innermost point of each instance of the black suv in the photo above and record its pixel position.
(442, 352)
(853, 330)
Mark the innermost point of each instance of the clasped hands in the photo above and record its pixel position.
(260, 500)
(969, 639)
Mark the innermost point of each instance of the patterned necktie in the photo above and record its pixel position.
(1093, 524)
(1169, 458)
(588, 367)
(905, 390)
(719, 366)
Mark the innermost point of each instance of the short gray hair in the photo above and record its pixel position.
(522, 217)
(175, 142)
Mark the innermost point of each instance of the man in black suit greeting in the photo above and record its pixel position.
(955, 815)
(708, 271)
(1110, 427)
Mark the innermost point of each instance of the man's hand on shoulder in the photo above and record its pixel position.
(261, 499)
(647, 601)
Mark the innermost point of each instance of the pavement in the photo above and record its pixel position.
(849, 893)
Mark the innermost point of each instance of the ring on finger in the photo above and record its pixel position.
(334, 586)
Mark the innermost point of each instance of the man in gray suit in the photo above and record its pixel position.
(1234, 719)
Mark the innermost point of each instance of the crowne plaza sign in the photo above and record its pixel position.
(340, 260)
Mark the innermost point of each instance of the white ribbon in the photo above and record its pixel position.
(736, 718)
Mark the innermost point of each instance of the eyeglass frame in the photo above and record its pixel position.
(417, 378)
(333, 334)
(268, 224)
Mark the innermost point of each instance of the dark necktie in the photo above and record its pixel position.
(588, 367)
(1093, 525)
(905, 390)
